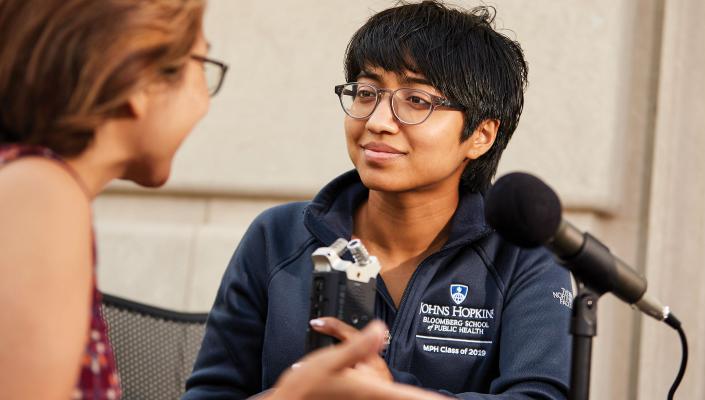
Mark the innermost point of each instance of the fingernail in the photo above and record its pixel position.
(376, 329)
(295, 365)
(317, 322)
(378, 326)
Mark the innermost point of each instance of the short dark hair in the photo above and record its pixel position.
(462, 55)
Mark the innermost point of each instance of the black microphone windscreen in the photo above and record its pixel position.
(523, 209)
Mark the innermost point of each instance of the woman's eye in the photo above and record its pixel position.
(416, 100)
(366, 95)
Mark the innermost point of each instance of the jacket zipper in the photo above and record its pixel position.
(402, 303)
(389, 354)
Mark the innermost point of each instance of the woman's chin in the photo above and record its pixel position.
(154, 183)
(149, 178)
(382, 182)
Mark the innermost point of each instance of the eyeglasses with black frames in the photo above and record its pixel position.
(215, 73)
(410, 106)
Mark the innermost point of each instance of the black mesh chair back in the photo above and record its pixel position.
(154, 348)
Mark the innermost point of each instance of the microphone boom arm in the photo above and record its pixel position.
(595, 266)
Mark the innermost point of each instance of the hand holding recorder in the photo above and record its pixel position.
(328, 374)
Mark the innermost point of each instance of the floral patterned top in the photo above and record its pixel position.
(98, 379)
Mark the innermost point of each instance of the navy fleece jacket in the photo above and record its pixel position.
(479, 319)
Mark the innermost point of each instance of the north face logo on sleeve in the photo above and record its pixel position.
(565, 297)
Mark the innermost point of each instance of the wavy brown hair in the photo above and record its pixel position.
(68, 65)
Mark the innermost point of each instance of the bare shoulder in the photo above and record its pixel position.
(43, 207)
(45, 276)
(41, 185)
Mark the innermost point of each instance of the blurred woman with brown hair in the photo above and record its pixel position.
(91, 91)
(94, 91)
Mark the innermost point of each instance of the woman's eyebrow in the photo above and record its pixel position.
(369, 74)
(403, 78)
(419, 80)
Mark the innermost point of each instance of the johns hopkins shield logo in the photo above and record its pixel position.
(458, 293)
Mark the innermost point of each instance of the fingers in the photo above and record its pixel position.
(357, 348)
(333, 327)
(358, 385)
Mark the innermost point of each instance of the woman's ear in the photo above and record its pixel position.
(137, 104)
(482, 138)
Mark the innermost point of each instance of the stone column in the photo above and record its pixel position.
(676, 233)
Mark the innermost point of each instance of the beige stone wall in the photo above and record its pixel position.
(676, 219)
(610, 87)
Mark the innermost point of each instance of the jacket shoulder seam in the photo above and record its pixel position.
(491, 268)
(287, 260)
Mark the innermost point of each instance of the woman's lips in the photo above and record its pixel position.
(373, 155)
(380, 152)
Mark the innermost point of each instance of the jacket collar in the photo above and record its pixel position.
(330, 214)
